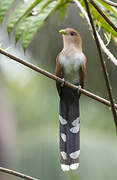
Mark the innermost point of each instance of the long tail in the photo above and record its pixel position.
(69, 129)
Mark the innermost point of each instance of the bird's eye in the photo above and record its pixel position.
(72, 33)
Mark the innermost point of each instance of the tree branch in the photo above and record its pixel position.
(104, 48)
(15, 173)
(110, 3)
(103, 15)
(103, 65)
(52, 76)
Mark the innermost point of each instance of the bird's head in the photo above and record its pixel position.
(71, 38)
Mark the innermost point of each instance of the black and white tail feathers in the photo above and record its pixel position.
(69, 129)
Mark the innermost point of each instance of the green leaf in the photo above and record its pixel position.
(113, 19)
(35, 3)
(31, 24)
(26, 20)
(62, 12)
(4, 7)
(98, 18)
(108, 7)
(20, 11)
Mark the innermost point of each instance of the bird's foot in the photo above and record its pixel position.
(79, 87)
(62, 84)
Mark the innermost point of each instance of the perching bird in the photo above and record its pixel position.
(70, 65)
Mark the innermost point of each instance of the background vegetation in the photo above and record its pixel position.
(33, 105)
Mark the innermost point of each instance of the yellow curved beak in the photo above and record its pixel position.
(63, 31)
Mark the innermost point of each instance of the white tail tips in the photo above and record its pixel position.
(65, 167)
(74, 166)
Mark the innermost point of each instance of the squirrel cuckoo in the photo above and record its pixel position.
(71, 66)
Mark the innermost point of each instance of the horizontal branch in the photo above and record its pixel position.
(15, 173)
(104, 48)
(52, 76)
(110, 3)
(103, 15)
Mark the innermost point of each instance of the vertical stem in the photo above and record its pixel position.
(104, 15)
(103, 65)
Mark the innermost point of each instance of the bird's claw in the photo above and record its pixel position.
(79, 87)
(62, 84)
